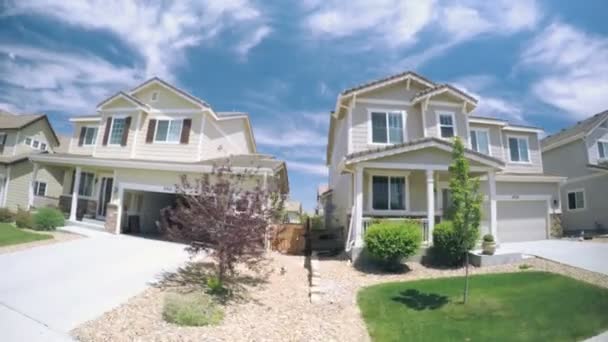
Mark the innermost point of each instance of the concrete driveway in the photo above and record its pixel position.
(49, 290)
(590, 256)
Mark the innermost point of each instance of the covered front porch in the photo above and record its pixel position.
(411, 182)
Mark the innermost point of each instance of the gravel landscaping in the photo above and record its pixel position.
(58, 236)
(279, 308)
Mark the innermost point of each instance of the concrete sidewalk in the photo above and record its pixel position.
(49, 290)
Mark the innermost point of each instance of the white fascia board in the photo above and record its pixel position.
(91, 119)
(522, 129)
(488, 121)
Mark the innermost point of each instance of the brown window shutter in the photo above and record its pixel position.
(83, 131)
(106, 133)
(125, 133)
(186, 131)
(150, 133)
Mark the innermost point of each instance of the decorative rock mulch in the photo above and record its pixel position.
(280, 309)
(58, 236)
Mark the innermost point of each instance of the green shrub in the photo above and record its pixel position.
(23, 219)
(48, 219)
(192, 309)
(6, 216)
(390, 241)
(448, 249)
(488, 238)
(215, 286)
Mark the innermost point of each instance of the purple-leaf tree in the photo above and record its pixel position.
(225, 214)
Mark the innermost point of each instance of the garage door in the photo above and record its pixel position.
(522, 220)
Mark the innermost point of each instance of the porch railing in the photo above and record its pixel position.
(424, 225)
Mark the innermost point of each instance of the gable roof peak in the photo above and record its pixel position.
(386, 79)
(181, 92)
(579, 129)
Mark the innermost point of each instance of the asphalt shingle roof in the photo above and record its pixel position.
(385, 79)
(580, 127)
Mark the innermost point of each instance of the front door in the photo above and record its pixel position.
(105, 195)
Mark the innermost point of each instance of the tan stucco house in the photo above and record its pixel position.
(20, 137)
(124, 162)
(389, 149)
(580, 153)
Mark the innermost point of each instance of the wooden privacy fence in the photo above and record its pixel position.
(289, 238)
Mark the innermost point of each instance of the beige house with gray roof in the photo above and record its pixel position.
(389, 149)
(20, 137)
(580, 153)
(125, 161)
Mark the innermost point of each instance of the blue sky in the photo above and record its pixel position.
(543, 63)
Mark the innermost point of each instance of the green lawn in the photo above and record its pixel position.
(11, 235)
(525, 306)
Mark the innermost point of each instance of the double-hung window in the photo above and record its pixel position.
(168, 131)
(90, 134)
(387, 127)
(39, 189)
(480, 141)
(388, 193)
(118, 129)
(87, 183)
(446, 125)
(576, 200)
(518, 150)
(602, 149)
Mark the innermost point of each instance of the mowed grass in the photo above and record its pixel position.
(525, 306)
(11, 235)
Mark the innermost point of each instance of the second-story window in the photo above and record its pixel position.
(168, 131)
(446, 125)
(387, 127)
(90, 134)
(480, 141)
(518, 150)
(602, 149)
(118, 129)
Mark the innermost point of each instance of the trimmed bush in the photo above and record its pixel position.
(388, 242)
(448, 249)
(23, 219)
(488, 238)
(6, 216)
(191, 309)
(48, 219)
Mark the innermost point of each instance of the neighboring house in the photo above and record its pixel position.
(322, 192)
(125, 161)
(293, 212)
(20, 137)
(581, 154)
(390, 146)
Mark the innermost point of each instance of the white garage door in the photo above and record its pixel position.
(522, 220)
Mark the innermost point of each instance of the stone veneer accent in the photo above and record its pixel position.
(111, 217)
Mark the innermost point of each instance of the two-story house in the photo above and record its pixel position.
(125, 162)
(580, 153)
(389, 149)
(22, 136)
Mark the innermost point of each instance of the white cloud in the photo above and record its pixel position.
(252, 40)
(572, 67)
(310, 168)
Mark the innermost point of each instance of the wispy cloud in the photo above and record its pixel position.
(572, 68)
(309, 168)
(281, 137)
(252, 40)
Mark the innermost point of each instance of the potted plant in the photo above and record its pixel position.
(488, 246)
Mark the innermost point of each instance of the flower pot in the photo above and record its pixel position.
(488, 248)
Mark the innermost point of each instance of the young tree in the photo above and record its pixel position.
(225, 214)
(466, 205)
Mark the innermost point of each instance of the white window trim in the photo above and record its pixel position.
(480, 129)
(439, 113)
(370, 193)
(37, 185)
(568, 200)
(114, 117)
(386, 111)
(93, 187)
(605, 150)
(509, 136)
(158, 119)
(84, 141)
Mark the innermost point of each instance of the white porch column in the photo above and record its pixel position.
(358, 207)
(76, 186)
(492, 193)
(430, 203)
(30, 198)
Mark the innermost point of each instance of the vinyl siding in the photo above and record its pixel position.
(120, 102)
(169, 151)
(598, 134)
(432, 125)
(167, 99)
(568, 160)
(596, 209)
(340, 202)
(38, 131)
(21, 175)
(9, 145)
(223, 138)
(494, 134)
(536, 163)
(53, 177)
(115, 151)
